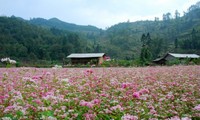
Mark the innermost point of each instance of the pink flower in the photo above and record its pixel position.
(63, 108)
(96, 101)
(197, 107)
(151, 107)
(33, 95)
(89, 116)
(9, 108)
(1, 99)
(152, 111)
(37, 77)
(136, 95)
(175, 118)
(104, 95)
(117, 107)
(125, 85)
(144, 91)
(88, 72)
(38, 101)
(129, 117)
(88, 104)
(47, 73)
(186, 118)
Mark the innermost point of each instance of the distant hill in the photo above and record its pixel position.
(53, 39)
(58, 24)
(123, 40)
(29, 43)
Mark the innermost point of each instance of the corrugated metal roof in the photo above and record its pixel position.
(86, 55)
(184, 55)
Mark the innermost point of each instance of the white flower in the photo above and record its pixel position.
(5, 59)
(6, 118)
(8, 60)
(57, 66)
(65, 80)
(51, 118)
(12, 62)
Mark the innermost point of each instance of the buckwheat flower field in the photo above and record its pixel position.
(169, 93)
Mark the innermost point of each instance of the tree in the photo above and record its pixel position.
(176, 43)
(164, 17)
(97, 48)
(156, 19)
(148, 39)
(168, 16)
(145, 55)
(194, 39)
(177, 14)
(32, 57)
(143, 39)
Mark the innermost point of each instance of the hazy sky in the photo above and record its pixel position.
(100, 13)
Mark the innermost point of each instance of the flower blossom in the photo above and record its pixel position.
(116, 107)
(89, 116)
(96, 101)
(37, 101)
(178, 118)
(129, 117)
(136, 95)
(197, 107)
(88, 72)
(88, 104)
(9, 108)
(144, 91)
(8, 60)
(6, 118)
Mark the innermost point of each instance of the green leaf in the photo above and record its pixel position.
(131, 103)
(19, 114)
(47, 113)
(8, 115)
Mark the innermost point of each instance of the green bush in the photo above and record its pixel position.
(118, 63)
(184, 62)
(196, 61)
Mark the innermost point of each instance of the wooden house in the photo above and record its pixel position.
(175, 56)
(87, 58)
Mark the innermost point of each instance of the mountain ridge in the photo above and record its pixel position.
(44, 39)
(59, 24)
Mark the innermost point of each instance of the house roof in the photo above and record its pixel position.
(158, 59)
(176, 55)
(86, 55)
(184, 55)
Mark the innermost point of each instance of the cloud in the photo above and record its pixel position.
(101, 13)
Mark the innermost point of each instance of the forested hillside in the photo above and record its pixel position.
(53, 40)
(174, 33)
(25, 42)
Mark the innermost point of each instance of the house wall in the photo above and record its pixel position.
(161, 62)
(169, 57)
(84, 60)
(100, 60)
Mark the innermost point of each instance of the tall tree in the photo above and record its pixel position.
(194, 39)
(177, 14)
(168, 16)
(176, 43)
(145, 55)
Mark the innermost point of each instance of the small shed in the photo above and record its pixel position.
(170, 56)
(85, 58)
(173, 56)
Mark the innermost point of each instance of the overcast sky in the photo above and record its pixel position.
(100, 13)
